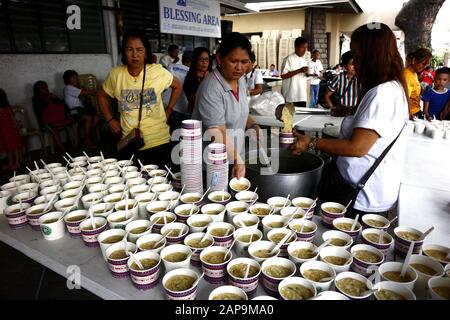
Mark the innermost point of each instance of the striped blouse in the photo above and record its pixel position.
(340, 84)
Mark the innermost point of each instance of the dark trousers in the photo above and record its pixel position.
(353, 212)
(175, 120)
(159, 155)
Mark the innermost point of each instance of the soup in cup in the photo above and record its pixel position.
(137, 229)
(215, 210)
(276, 235)
(365, 258)
(403, 236)
(375, 221)
(377, 238)
(214, 263)
(278, 203)
(181, 284)
(262, 250)
(296, 288)
(305, 204)
(388, 290)
(353, 285)
(109, 237)
(176, 256)
(222, 233)
(161, 219)
(437, 252)
(238, 185)
(275, 270)
(117, 257)
(439, 288)
(304, 229)
(240, 278)
(244, 220)
(147, 278)
(338, 258)
(390, 271)
(219, 197)
(345, 225)
(319, 273)
(300, 252)
(244, 237)
(338, 239)
(426, 269)
(194, 241)
(199, 222)
(228, 293)
(331, 211)
(73, 220)
(151, 242)
(175, 232)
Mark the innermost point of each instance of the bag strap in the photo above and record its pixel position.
(377, 162)
(141, 98)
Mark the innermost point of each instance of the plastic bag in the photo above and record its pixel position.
(266, 103)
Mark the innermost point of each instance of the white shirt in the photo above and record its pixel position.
(383, 109)
(179, 71)
(253, 78)
(315, 68)
(71, 97)
(294, 88)
(166, 60)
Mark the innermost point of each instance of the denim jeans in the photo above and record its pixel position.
(314, 95)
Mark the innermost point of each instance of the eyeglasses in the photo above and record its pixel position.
(203, 59)
(130, 50)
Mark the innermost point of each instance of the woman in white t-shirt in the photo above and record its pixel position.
(379, 119)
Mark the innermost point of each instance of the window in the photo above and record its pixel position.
(144, 15)
(39, 26)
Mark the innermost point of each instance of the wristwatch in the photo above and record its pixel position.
(312, 145)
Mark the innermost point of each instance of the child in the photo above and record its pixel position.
(10, 138)
(436, 98)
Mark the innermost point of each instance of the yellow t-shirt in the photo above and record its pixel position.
(413, 84)
(127, 89)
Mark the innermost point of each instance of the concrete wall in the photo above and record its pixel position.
(295, 19)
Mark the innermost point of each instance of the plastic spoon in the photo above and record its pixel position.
(287, 199)
(204, 194)
(327, 242)
(229, 249)
(426, 233)
(393, 220)
(381, 235)
(205, 236)
(368, 292)
(408, 257)
(35, 176)
(198, 280)
(192, 210)
(247, 271)
(132, 257)
(92, 219)
(50, 203)
(278, 246)
(256, 197)
(70, 157)
(101, 155)
(160, 240)
(355, 222)
(348, 205)
(170, 171)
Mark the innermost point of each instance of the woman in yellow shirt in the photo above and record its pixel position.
(415, 64)
(124, 83)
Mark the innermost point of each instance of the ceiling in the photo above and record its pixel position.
(249, 6)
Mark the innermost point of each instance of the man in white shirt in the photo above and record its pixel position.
(171, 56)
(180, 111)
(254, 78)
(294, 72)
(315, 72)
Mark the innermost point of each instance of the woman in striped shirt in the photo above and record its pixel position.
(346, 88)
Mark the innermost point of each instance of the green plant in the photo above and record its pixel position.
(437, 61)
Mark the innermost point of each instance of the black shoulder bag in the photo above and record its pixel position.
(134, 141)
(334, 188)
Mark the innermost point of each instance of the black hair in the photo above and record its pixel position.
(232, 41)
(337, 66)
(346, 57)
(139, 34)
(195, 56)
(187, 56)
(3, 99)
(69, 74)
(314, 51)
(172, 47)
(443, 70)
(36, 88)
(252, 57)
(299, 41)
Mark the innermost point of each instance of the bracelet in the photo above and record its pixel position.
(312, 145)
(112, 118)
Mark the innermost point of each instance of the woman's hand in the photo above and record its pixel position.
(238, 171)
(114, 125)
(301, 144)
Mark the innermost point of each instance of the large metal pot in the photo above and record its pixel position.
(296, 175)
